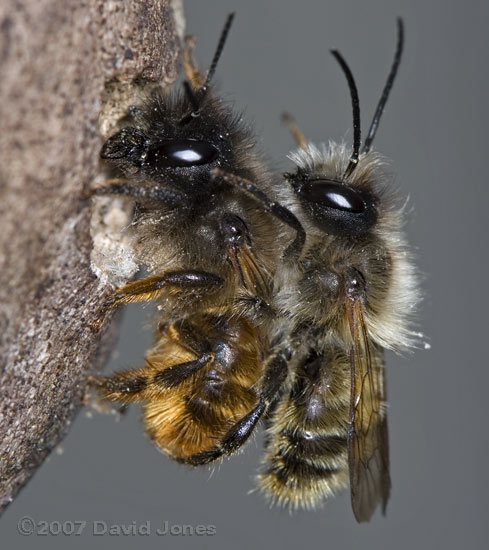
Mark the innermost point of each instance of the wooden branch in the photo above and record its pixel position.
(65, 69)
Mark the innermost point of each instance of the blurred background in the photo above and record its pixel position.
(435, 130)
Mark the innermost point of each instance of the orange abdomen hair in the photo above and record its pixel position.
(190, 415)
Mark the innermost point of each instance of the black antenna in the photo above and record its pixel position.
(387, 88)
(355, 103)
(217, 55)
(196, 98)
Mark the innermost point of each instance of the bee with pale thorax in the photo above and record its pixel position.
(351, 297)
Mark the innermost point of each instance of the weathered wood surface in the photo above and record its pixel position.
(61, 64)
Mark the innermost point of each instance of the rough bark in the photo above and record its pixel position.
(66, 68)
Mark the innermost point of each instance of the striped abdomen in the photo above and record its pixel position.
(306, 459)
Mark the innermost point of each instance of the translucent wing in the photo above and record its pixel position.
(368, 446)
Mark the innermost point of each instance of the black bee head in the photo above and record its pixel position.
(177, 139)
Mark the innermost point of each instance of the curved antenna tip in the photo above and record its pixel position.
(387, 87)
(355, 103)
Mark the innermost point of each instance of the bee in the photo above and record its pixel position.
(276, 297)
(350, 297)
(206, 224)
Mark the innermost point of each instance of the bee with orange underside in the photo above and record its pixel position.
(200, 377)
(276, 300)
(209, 228)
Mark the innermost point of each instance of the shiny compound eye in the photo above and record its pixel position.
(333, 195)
(181, 153)
(337, 208)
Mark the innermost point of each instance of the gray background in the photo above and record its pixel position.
(435, 130)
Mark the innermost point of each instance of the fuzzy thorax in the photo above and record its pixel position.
(392, 293)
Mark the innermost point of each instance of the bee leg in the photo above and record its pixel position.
(169, 196)
(189, 336)
(291, 124)
(125, 386)
(130, 385)
(281, 212)
(192, 71)
(275, 376)
(150, 288)
(175, 375)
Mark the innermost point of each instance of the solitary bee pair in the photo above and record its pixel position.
(277, 296)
